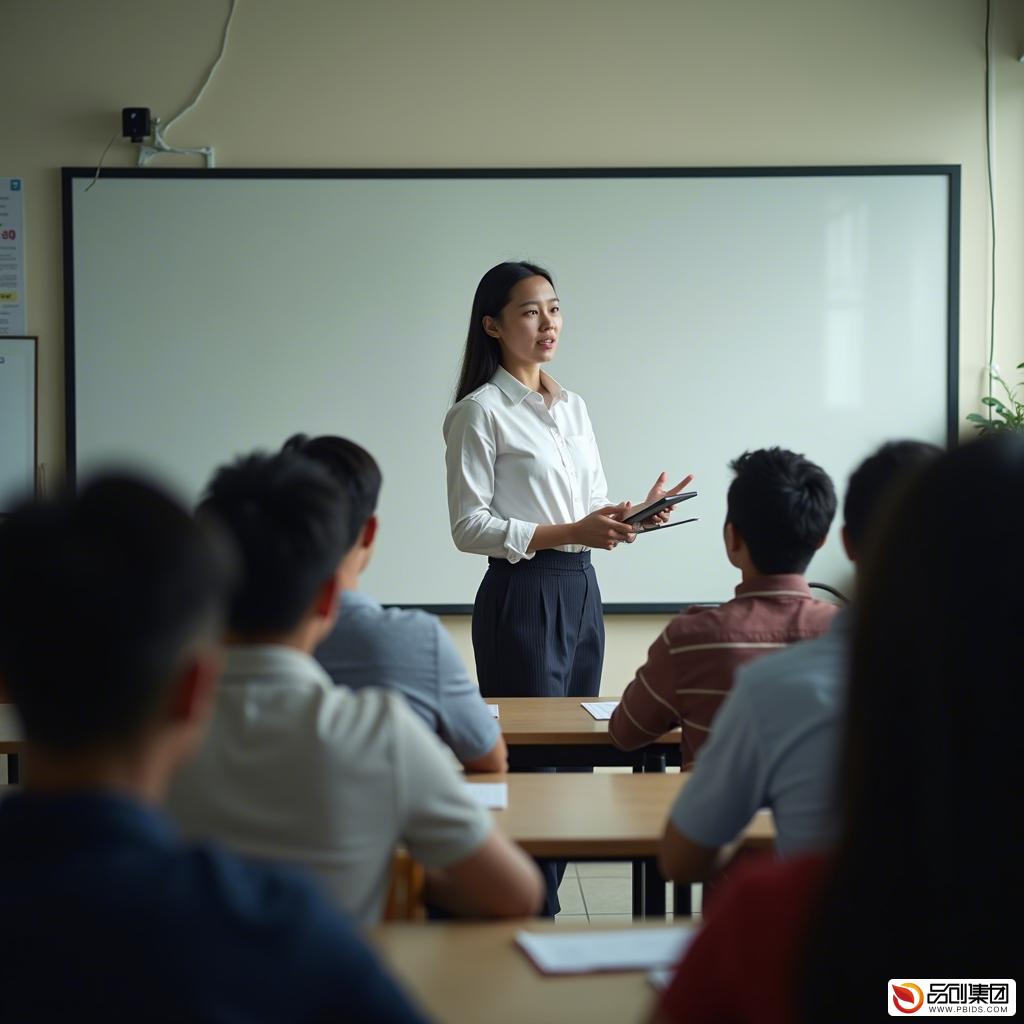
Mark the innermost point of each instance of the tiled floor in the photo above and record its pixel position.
(602, 892)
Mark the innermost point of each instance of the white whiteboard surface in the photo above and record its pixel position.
(17, 420)
(704, 315)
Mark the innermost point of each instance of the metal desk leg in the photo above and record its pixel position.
(654, 889)
(682, 904)
(638, 889)
(13, 777)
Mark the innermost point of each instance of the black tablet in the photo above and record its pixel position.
(646, 511)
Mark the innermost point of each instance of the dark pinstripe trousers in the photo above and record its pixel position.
(538, 631)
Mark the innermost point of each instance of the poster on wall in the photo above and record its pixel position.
(12, 258)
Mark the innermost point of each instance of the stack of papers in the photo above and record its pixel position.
(494, 709)
(489, 794)
(602, 709)
(626, 949)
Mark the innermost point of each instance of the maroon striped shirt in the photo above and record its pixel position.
(689, 668)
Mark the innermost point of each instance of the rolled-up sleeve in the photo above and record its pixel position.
(469, 456)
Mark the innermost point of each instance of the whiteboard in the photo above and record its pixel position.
(705, 313)
(17, 420)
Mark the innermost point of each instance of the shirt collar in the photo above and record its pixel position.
(781, 585)
(253, 663)
(356, 599)
(516, 391)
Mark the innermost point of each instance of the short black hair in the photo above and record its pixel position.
(288, 517)
(782, 504)
(352, 466)
(102, 594)
(872, 481)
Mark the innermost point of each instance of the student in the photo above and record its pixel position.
(775, 736)
(780, 507)
(299, 770)
(104, 913)
(925, 878)
(409, 651)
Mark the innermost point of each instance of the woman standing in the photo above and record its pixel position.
(526, 488)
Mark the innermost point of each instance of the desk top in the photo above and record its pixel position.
(464, 973)
(597, 815)
(550, 720)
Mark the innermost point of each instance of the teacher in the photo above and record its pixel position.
(526, 488)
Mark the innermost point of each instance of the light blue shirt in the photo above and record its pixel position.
(411, 652)
(774, 743)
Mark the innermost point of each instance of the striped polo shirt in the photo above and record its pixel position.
(690, 667)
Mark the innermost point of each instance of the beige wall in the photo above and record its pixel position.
(333, 83)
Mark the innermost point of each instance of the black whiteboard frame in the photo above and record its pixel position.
(951, 172)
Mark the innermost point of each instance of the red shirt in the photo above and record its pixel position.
(742, 965)
(690, 667)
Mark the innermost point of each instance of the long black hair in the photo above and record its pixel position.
(483, 353)
(928, 859)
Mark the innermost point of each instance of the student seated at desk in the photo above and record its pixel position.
(405, 650)
(925, 878)
(780, 507)
(775, 737)
(300, 770)
(111, 605)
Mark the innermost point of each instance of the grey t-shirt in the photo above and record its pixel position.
(411, 652)
(774, 744)
(297, 770)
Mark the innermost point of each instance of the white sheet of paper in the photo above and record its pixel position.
(602, 709)
(489, 794)
(626, 949)
(494, 709)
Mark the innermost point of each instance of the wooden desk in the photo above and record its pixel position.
(465, 973)
(555, 732)
(603, 817)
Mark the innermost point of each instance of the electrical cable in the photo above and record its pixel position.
(103, 156)
(991, 200)
(830, 590)
(213, 67)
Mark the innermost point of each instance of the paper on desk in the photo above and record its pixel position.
(601, 709)
(625, 949)
(489, 794)
(493, 709)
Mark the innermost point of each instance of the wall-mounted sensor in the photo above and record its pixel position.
(136, 123)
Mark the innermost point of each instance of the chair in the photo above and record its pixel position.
(405, 890)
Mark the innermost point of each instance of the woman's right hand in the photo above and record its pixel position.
(601, 530)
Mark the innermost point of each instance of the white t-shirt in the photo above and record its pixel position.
(514, 463)
(297, 770)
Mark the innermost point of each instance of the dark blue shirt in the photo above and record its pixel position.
(106, 915)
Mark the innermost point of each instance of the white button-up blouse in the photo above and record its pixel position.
(514, 463)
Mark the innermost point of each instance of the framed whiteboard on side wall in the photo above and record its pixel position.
(18, 439)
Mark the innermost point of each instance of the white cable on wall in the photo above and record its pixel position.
(209, 75)
(989, 161)
(160, 144)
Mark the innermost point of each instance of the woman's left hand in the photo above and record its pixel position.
(658, 491)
